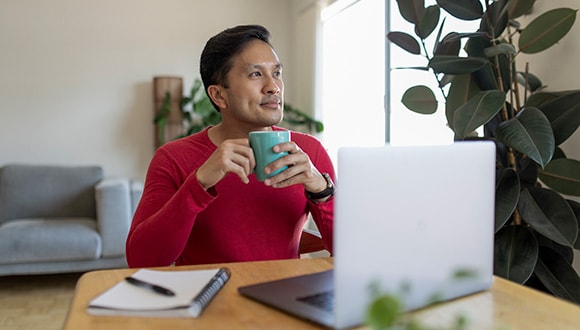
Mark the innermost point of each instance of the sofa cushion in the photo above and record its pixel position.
(41, 191)
(42, 240)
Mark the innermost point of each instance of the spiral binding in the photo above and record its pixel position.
(209, 291)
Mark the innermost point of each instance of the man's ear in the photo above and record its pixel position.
(216, 94)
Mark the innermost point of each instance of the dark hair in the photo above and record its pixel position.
(216, 57)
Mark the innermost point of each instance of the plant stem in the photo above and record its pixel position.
(517, 218)
(434, 73)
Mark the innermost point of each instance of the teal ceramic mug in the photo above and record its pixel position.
(262, 143)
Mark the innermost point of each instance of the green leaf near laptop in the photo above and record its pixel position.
(491, 94)
(386, 310)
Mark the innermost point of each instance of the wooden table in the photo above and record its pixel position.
(505, 306)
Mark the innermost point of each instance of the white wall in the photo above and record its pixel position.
(75, 76)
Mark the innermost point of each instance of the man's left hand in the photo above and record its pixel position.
(300, 170)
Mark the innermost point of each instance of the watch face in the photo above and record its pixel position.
(329, 183)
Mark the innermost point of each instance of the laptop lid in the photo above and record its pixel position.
(404, 217)
(412, 216)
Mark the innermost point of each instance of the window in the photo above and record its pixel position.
(355, 84)
(407, 127)
(353, 74)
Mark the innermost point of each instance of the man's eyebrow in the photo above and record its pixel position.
(250, 67)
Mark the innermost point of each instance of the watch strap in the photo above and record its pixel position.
(329, 191)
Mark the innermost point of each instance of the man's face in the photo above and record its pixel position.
(255, 93)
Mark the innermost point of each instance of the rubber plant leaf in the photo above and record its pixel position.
(411, 10)
(565, 251)
(507, 194)
(456, 64)
(563, 113)
(438, 38)
(476, 45)
(546, 30)
(467, 10)
(405, 41)
(428, 22)
(502, 48)
(537, 99)
(562, 175)
(495, 20)
(420, 68)
(463, 88)
(453, 36)
(576, 209)
(549, 214)
(420, 99)
(557, 275)
(529, 80)
(530, 133)
(515, 253)
(448, 46)
(518, 8)
(477, 111)
(486, 78)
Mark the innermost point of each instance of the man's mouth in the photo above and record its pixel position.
(273, 102)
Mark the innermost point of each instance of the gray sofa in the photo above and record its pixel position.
(57, 219)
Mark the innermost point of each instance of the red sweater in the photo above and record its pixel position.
(178, 221)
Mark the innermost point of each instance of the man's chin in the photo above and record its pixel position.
(275, 119)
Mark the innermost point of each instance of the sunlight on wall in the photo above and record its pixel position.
(353, 74)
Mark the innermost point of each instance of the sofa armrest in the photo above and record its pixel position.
(114, 212)
(136, 192)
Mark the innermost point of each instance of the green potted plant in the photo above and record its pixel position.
(198, 113)
(483, 86)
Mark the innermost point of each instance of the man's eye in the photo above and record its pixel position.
(278, 74)
(255, 74)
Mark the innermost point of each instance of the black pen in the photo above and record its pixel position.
(150, 286)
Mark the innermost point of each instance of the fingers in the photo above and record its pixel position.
(236, 156)
(232, 156)
(300, 169)
(242, 163)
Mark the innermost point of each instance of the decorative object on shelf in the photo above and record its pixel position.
(195, 112)
(536, 226)
(167, 99)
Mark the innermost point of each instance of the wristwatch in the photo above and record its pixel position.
(329, 191)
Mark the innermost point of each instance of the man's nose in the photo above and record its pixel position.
(273, 87)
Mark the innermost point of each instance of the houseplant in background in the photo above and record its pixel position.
(198, 113)
(484, 86)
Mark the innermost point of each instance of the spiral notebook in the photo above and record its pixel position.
(193, 291)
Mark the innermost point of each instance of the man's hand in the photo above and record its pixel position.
(300, 170)
(233, 156)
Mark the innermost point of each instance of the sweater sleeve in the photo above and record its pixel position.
(322, 213)
(172, 199)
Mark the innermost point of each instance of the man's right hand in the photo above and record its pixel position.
(233, 156)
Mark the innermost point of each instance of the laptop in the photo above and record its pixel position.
(405, 217)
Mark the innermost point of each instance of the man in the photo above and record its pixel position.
(201, 203)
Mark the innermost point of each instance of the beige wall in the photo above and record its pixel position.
(75, 76)
(557, 66)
